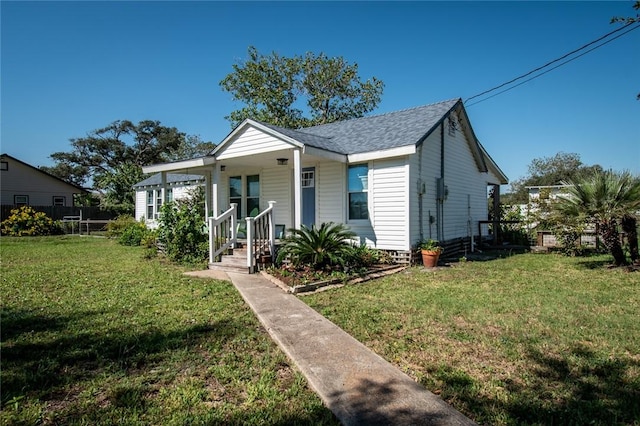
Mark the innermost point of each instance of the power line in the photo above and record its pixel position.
(552, 62)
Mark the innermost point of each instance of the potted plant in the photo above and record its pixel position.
(430, 250)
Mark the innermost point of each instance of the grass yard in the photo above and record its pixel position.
(525, 340)
(94, 334)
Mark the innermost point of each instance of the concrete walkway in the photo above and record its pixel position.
(357, 385)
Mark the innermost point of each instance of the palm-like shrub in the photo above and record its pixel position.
(607, 198)
(317, 247)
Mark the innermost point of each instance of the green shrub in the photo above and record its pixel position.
(133, 234)
(116, 227)
(25, 221)
(362, 256)
(183, 233)
(129, 231)
(326, 246)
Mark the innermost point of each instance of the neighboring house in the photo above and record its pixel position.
(540, 198)
(24, 185)
(394, 179)
(546, 192)
(149, 197)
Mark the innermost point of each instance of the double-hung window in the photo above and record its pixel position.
(235, 194)
(358, 192)
(253, 195)
(154, 201)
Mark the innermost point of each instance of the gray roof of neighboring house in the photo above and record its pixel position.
(378, 132)
(156, 179)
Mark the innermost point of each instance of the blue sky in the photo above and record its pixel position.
(72, 67)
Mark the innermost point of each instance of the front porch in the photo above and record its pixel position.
(258, 246)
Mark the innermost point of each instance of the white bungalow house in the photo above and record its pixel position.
(149, 196)
(394, 179)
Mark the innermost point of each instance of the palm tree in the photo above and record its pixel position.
(605, 197)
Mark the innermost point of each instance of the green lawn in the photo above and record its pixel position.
(529, 339)
(92, 333)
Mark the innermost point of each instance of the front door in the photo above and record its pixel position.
(308, 196)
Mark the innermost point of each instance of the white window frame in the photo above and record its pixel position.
(308, 179)
(20, 203)
(61, 198)
(365, 190)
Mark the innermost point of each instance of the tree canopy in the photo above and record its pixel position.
(109, 160)
(545, 171)
(275, 88)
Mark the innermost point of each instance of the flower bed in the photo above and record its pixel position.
(303, 280)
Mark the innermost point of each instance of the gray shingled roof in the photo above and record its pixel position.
(374, 133)
(171, 179)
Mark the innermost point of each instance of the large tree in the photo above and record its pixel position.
(109, 160)
(606, 198)
(546, 171)
(274, 89)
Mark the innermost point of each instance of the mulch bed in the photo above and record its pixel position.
(306, 280)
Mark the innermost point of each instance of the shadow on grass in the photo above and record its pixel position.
(373, 403)
(39, 364)
(594, 263)
(486, 255)
(578, 387)
(45, 357)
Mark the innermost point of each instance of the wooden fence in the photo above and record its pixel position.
(59, 212)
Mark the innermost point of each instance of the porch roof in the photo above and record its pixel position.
(171, 179)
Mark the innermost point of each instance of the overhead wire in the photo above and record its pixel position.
(553, 62)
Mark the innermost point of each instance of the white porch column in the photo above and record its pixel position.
(207, 194)
(297, 189)
(215, 181)
(163, 188)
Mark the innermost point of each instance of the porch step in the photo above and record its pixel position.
(235, 262)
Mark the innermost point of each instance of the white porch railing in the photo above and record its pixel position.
(222, 233)
(261, 231)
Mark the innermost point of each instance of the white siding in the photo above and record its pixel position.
(330, 192)
(141, 205)
(467, 199)
(276, 186)
(389, 195)
(425, 168)
(251, 142)
(179, 192)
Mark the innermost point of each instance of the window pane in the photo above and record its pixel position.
(253, 186)
(358, 178)
(150, 197)
(358, 205)
(253, 206)
(235, 186)
(169, 194)
(308, 179)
